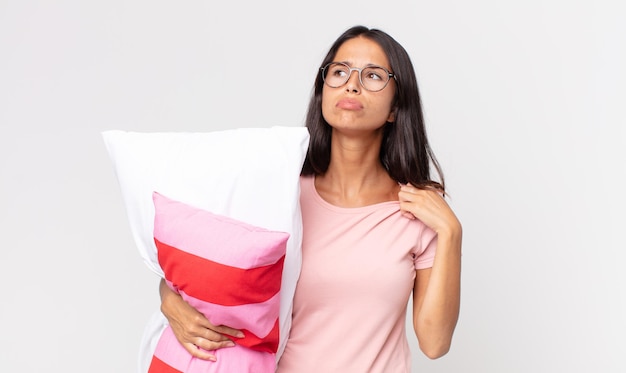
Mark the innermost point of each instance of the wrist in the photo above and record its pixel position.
(452, 232)
(167, 298)
(450, 238)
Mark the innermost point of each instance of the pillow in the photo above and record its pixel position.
(228, 270)
(248, 174)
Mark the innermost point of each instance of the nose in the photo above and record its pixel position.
(353, 84)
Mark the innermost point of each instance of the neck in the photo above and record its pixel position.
(355, 176)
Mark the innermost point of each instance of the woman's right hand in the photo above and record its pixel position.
(197, 335)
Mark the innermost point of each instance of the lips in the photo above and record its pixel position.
(349, 104)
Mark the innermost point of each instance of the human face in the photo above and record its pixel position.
(351, 107)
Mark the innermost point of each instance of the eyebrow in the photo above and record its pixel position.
(368, 65)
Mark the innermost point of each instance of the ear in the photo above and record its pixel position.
(392, 116)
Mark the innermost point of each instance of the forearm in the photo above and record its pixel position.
(435, 315)
(191, 328)
(169, 298)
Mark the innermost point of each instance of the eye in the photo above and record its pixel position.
(374, 74)
(338, 71)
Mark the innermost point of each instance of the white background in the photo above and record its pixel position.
(524, 104)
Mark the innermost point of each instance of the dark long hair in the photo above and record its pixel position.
(405, 152)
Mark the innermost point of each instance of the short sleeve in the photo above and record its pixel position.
(424, 254)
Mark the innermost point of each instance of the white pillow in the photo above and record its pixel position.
(248, 174)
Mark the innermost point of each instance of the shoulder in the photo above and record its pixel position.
(306, 178)
(306, 183)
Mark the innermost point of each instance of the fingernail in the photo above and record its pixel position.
(240, 335)
(230, 344)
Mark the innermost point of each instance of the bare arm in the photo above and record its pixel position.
(191, 328)
(437, 290)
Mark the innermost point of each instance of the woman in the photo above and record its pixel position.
(376, 227)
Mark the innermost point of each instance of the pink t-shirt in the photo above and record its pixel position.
(358, 271)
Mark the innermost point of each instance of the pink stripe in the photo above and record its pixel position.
(231, 359)
(259, 318)
(220, 239)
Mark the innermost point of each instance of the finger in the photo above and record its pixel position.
(408, 197)
(205, 329)
(228, 331)
(200, 336)
(219, 333)
(209, 345)
(408, 188)
(198, 352)
(210, 334)
(220, 330)
(405, 196)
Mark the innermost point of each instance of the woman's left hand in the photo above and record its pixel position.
(429, 206)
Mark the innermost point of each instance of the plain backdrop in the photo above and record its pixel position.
(524, 105)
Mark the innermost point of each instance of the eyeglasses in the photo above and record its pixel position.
(373, 78)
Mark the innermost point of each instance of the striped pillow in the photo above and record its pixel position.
(230, 271)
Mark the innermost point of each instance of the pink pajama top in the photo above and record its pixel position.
(358, 271)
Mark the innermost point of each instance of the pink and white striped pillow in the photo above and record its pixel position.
(248, 174)
(230, 271)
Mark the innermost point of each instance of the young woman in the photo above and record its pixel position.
(376, 225)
